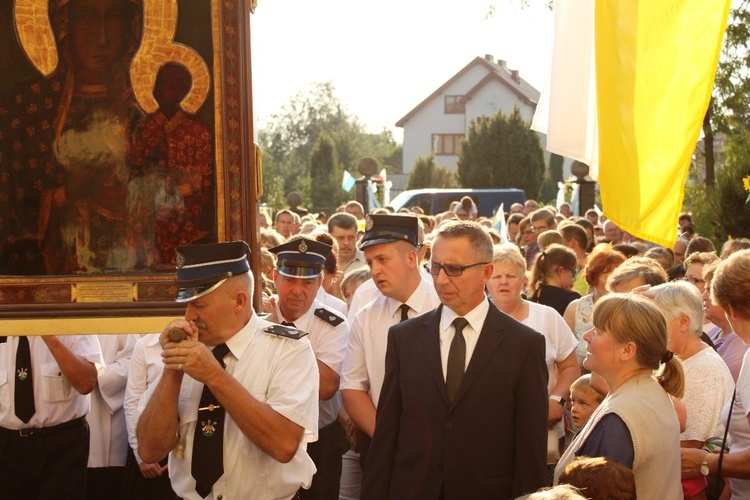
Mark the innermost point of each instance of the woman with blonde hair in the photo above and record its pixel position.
(636, 424)
(552, 277)
(505, 288)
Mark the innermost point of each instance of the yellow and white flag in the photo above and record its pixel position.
(633, 110)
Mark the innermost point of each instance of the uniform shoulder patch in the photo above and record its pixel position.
(328, 316)
(285, 331)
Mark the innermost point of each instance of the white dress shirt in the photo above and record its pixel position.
(277, 371)
(364, 364)
(55, 400)
(109, 436)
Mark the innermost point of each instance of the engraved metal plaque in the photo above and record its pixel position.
(103, 292)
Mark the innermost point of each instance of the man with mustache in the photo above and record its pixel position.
(237, 401)
(298, 277)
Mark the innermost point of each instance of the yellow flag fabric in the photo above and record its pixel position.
(655, 66)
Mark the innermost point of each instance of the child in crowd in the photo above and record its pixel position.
(599, 478)
(584, 399)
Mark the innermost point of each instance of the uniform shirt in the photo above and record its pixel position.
(109, 436)
(55, 400)
(368, 291)
(329, 345)
(364, 364)
(277, 371)
(331, 301)
(146, 366)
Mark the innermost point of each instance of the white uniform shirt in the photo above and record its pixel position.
(329, 345)
(278, 371)
(331, 301)
(368, 291)
(364, 364)
(55, 400)
(109, 435)
(146, 366)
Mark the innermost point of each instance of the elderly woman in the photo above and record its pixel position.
(730, 288)
(505, 287)
(636, 424)
(708, 382)
(579, 313)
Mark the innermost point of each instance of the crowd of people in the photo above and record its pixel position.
(405, 355)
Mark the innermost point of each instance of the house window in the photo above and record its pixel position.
(453, 105)
(446, 144)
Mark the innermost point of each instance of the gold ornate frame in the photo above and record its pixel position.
(142, 303)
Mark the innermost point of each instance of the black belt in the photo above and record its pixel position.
(41, 431)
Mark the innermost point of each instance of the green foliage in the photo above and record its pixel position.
(554, 175)
(501, 152)
(697, 201)
(732, 83)
(326, 170)
(290, 136)
(426, 174)
(729, 199)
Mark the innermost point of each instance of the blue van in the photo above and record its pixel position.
(435, 201)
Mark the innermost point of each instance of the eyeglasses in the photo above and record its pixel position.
(539, 229)
(692, 280)
(451, 270)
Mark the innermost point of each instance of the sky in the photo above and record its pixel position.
(385, 57)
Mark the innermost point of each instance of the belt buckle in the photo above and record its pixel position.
(27, 432)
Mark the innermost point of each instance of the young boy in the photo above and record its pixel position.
(584, 399)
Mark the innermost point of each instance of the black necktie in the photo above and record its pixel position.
(208, 441)
(24, 394)
(456, 359)
(288, 323)
(404, 312)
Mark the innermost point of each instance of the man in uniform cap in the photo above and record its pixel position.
(236, 402)
(391, 249)
(297, 277)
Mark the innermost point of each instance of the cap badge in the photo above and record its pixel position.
(369, 223)
(180, 260)
(302, 247)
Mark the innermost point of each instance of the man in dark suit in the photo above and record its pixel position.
(463, 409)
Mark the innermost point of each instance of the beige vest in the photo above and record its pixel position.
(650, 417)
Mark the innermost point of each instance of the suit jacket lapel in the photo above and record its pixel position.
(489, 340)
(430, 336)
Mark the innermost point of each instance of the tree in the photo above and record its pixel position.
(326, 170)
(426, 174)
(554, 175)
(729, 198)
(289, 137)
(501, 152)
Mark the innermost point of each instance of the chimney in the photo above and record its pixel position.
(515, 76)
(489, 57)
(502, 64)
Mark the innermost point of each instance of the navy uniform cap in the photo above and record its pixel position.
(382, 228)
(202, 268)
(301, 258)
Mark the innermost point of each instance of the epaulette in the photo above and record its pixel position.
(329, 317)
(285, 331)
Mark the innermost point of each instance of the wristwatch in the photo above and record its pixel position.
(704, 466)
(559, 399)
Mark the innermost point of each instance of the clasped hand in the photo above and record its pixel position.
(190, 355)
